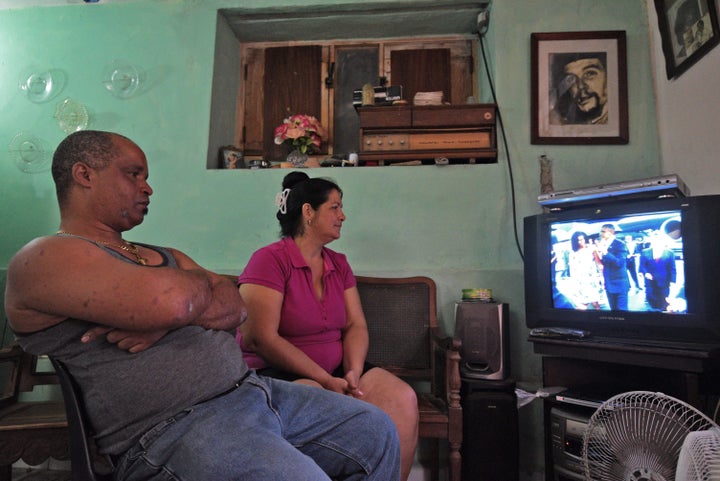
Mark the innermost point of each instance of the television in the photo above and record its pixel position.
(562, 289)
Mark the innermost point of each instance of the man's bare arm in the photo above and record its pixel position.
(52, 279)
(226, 309)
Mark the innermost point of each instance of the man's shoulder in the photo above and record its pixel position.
(35, 246)
(23, 275)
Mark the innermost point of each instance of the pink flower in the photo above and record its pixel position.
(303, 132)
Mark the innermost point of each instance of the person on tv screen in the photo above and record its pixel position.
(632, 263)
(657, 265)
(613, 254)
(585, 272)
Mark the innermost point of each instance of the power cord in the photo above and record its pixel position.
(482, 29)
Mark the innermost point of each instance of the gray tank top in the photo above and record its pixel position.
(127, 394)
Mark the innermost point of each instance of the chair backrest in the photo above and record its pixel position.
(400, 313)
(81, 453)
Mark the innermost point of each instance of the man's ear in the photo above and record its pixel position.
(81, 173)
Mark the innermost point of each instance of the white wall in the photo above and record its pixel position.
(688, 111)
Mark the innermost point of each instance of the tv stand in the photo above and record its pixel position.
(590, 366)
(688, 357)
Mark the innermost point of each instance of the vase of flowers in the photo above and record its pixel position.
(303, 133)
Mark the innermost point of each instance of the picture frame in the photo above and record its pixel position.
(231, 157)
(579, 88)
(688, 31)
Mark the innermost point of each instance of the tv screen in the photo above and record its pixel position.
(631, 269)
(645, 248)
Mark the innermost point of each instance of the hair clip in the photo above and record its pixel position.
(281, 200)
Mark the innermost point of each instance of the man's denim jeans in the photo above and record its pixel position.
(268, 430)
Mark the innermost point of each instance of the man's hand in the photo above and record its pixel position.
(131, 341)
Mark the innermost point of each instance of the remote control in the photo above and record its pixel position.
(559, 332)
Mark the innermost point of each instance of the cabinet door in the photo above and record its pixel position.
(291, 86)
(423, 70)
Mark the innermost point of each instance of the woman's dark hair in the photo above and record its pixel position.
(574, 242)
(302, 190)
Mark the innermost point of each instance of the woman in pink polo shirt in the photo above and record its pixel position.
(305, 322)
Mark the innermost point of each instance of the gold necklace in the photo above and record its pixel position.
(126, 246)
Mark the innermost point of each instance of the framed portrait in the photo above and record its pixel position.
(231, 157)
(579, 88)
(688, 29)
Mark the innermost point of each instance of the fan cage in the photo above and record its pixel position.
(637, 436)
(700, 456)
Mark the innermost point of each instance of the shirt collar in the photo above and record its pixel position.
(297, 259)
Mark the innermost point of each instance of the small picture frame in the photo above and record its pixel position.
(688, 30)
(231, 157)
(579, 88)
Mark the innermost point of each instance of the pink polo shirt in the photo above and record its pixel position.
(313, 325)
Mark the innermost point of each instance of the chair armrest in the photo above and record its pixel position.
(443, 341)
(446, 367)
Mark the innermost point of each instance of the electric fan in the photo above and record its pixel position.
(700, 457)
(638, 436)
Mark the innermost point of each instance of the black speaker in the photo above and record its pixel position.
(483, 329)
(490, 432)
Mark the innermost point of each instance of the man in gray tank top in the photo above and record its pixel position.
(143, 330)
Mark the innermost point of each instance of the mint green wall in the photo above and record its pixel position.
(451, 223)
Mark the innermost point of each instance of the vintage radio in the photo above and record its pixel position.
(425, 132)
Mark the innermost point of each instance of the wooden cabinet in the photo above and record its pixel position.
(458, 133)
(594, 371)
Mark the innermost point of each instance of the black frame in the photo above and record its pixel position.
(549, 49)
(680, 22)
(230, 150)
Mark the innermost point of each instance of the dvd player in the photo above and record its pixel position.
(653, 187)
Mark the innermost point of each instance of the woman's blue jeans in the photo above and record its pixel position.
(268, 430)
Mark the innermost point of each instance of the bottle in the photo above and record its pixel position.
(368, 95)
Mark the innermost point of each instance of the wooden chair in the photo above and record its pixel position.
(405, 339)
(29, 430)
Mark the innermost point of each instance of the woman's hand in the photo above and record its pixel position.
(336, 384)
(353, 384)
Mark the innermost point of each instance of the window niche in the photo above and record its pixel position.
(350, 45)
